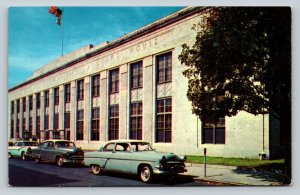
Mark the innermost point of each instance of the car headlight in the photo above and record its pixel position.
(182, 158)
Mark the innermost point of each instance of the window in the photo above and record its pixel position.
(12, 108)
(109, 147)
(46, 122)
(24, 124)
(164, 68)
(96, 86)
(56, 121)
(24, 104)
(80, 123)
(56, 96)
(67, 93)
(18, 125)
(164, 120)
(38, 101)
(30, 125)
(136, 75)
(46, 98)
(114, 81)
(122, 147)
(30, 102)
(56, 134)
(12, 125)
(214, 132)
(38, 126)
(95, 124)
(80, 89)
(18, 106)
(67, 120)
(113, 122)
(136, 122)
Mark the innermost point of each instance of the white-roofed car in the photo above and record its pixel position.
(134, 157)
(22, 149)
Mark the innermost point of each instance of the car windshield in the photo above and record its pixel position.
(141, 146)
(65, 145)
(29, 143)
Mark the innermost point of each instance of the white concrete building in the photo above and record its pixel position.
(132, 87)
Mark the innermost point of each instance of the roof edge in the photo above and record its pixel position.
(165, 21)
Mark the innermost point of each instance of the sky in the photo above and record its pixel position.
(34, 38)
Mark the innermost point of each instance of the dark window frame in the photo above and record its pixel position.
(136, 121)
(114, 86)
(38, 101)
(30, 125)
(96, 85)
(56, 121)
(38, 126)
(18, 105)
(164, 67)
(46, 98)
(67, 90)
(46, 122)
(113, 122)
(136, 72)
(24, 124)
(80, 125)
(56, 96)
(214, 133)
(67, 120)
(95, 124)
(30, 102)
(164, 120)
(80, 90)
(24, 104)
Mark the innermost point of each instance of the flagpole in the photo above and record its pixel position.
(62, 34)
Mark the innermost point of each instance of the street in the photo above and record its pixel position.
(29, 173)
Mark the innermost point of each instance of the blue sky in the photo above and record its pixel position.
(34, 38)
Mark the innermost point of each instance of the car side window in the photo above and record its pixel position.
(122, 147)
(44, 145)
(50, 145)
(109, 147)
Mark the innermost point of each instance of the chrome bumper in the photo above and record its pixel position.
(158, 170)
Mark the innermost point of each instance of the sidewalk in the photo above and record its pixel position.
(232, 175)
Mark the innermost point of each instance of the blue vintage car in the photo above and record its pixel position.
(134, 157)
(58, 151)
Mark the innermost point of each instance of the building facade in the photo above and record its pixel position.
(132, 88)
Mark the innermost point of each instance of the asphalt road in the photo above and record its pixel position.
(29, 173)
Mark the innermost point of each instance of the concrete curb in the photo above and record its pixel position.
(221, 182)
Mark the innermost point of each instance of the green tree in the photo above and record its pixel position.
(241, 61)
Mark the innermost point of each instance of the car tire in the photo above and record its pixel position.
(96, 169)
(23, 156)
(146, 174)
(59, 161)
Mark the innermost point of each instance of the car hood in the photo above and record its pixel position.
(70, 150)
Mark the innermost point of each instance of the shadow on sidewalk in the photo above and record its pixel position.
(270, 172)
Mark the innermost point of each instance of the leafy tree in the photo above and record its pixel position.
(241, 61)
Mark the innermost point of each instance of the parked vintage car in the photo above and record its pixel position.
(134, 157)
(22, 149)
(58, 151)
